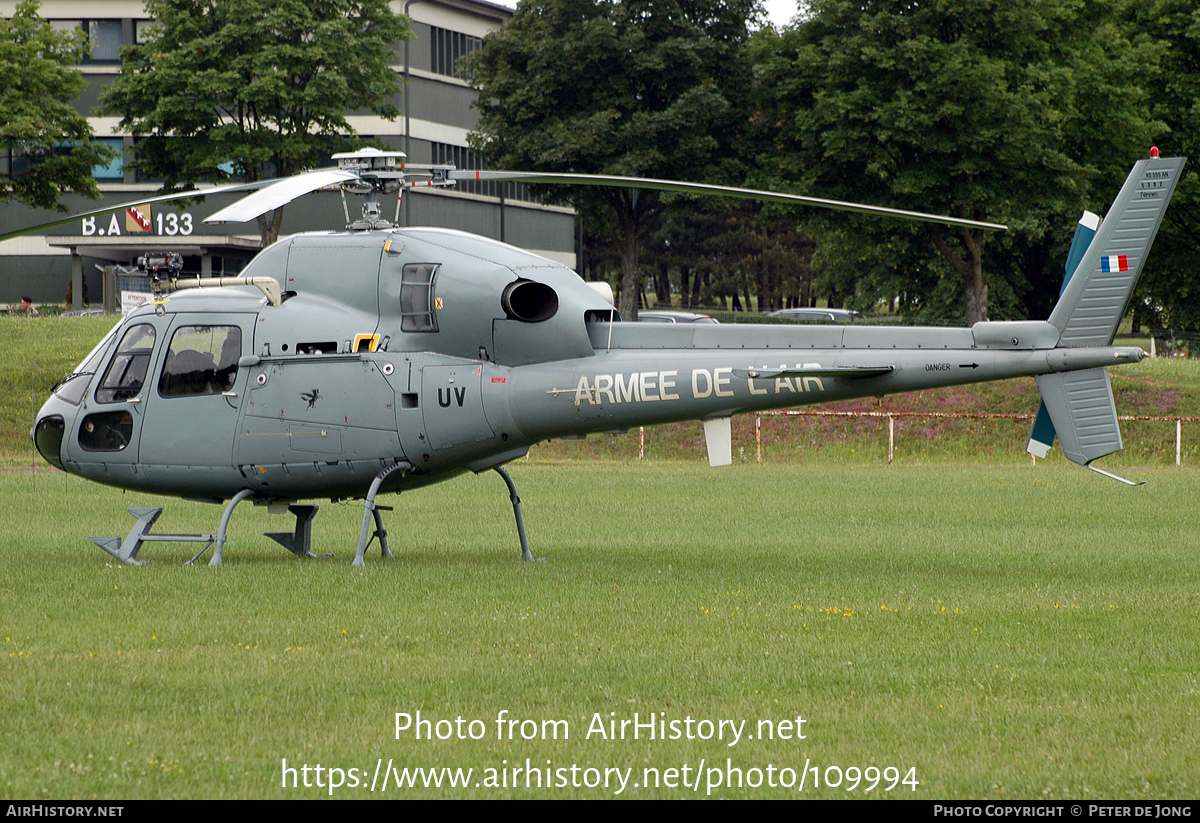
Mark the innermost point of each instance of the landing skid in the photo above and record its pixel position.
(299, 540)
(127, 550)
(371, 512)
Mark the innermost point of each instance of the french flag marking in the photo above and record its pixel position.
(1114, 262)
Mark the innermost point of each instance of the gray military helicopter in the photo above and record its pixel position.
(381, 359)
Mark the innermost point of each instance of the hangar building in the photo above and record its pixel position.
(437, 115)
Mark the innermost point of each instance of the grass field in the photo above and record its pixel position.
(1005, 632)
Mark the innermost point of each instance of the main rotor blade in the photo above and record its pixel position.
(719, 191)
(158, 198)
(279, 193)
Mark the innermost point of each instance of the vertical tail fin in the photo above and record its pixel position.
(1103, 266)
(1093, 303)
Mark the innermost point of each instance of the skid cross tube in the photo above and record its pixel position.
(127, 550)
(221, 532)
(371, 511)
(516, 504)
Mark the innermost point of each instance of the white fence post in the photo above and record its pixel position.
(891, 437)
(758, 437)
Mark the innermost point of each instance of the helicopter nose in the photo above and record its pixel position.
(50, 429)
(47, 435)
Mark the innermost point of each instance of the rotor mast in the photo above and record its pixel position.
(379, 172)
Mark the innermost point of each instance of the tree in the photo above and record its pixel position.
(1168, 291)
(254, 88)
(49, 142)
(974, 108)
(649, 88)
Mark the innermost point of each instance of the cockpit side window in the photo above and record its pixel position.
(417, 302)
(126, 372)
(201, 360)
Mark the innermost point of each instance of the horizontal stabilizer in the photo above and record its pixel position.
(1080, 404)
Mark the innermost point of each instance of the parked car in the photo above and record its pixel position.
(674, 317)
(818, 315)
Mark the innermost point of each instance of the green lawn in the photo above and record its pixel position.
(986, 627)
(1005, 632)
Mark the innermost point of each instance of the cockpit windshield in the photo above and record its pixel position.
(73, 387)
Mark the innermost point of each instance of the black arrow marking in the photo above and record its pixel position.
(968, 365)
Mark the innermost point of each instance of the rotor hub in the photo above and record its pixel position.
(384, 172)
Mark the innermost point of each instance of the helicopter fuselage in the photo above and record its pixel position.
(451, 353)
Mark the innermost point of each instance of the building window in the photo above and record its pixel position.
(142, 29)
(115, 168)
(104, 38)
(447, 47)
(15, 162)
